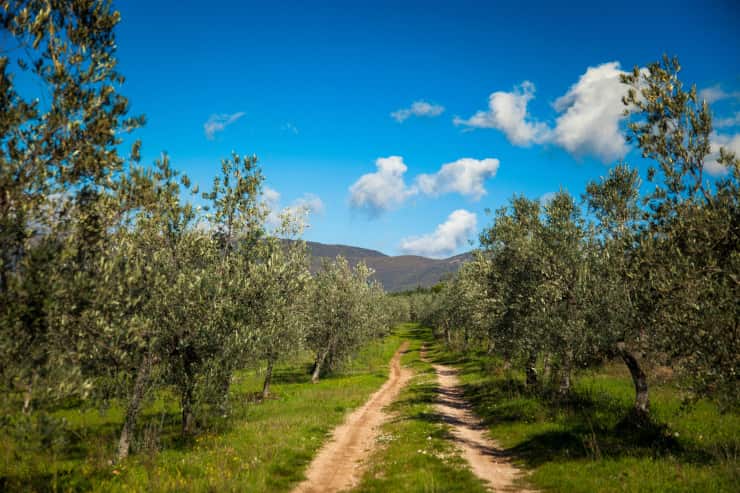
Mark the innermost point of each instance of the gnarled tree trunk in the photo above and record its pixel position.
(134, 406)
(639, 379)
(188, 415)
(317, 366)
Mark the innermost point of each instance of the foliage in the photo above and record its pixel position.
(633, 279)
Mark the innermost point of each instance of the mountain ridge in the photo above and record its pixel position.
(395, 273)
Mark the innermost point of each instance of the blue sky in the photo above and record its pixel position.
(310, 88)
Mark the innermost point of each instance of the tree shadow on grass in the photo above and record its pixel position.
(586, 424)
(49, 482)
(292, 374)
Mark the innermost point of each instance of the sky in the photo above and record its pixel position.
(397, 125)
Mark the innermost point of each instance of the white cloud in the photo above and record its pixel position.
(507, 111)
(464, 176)
(446, 239)
(546, 198)
(588, 121)
(731, 121)
(592, 110)
(729, 142)
(418, 108)
(297, 213)
(270, 197)
(383, 190)
(217, 123)
(309, 203)
(715, 93)
(289, 128)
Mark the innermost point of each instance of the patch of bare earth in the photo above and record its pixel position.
(487, 459)
(340, 462)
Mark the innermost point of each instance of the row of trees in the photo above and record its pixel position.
(113, 285)
(624, 274)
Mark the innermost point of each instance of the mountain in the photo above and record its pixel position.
(398, 273)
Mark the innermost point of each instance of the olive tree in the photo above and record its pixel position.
(59, 169)
(564, 294)
(513, 246)
(614, 203)
(689, 262)
(338, 309)
(278, 301)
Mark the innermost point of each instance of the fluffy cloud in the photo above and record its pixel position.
(448, 237)
(729, 142)
(297, 213)
(716, 93)
(507, 111)
(309, 203)
(464, 176)
(588, 120)
(418, 108)
(217, 123)
(591, 112)
(383, 190)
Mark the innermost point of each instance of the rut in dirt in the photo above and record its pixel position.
(487, 459)
(340, 462)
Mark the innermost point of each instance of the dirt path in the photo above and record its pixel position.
(487, 459)
(339, 464)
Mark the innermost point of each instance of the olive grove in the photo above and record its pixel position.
(631, 274)
(114, 285)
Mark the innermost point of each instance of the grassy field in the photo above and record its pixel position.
(584, 444)
(414, 453)
(262, 447)
(576, 445)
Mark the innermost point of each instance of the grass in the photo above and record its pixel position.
(263, 446)
(415, 452)
(583, 443)
(578, 444)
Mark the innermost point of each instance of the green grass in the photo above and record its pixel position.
(585, 444)
(580, 444)
(262, 447)
(415, 453)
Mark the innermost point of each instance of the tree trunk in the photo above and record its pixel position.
(28, 394)
(565, 375)
(565, 381)
(642, 400)
(317, 366)
(546, 367)
(491, 347)
(188, 418)
(134, 406)
(186, 396)
(531, 370)
(268, 379)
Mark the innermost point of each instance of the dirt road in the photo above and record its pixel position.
(339, 464)
(487, 459)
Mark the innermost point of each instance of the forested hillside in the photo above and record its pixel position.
(399, 273)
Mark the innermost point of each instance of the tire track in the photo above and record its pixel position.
(487, 459)
(340, 462)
